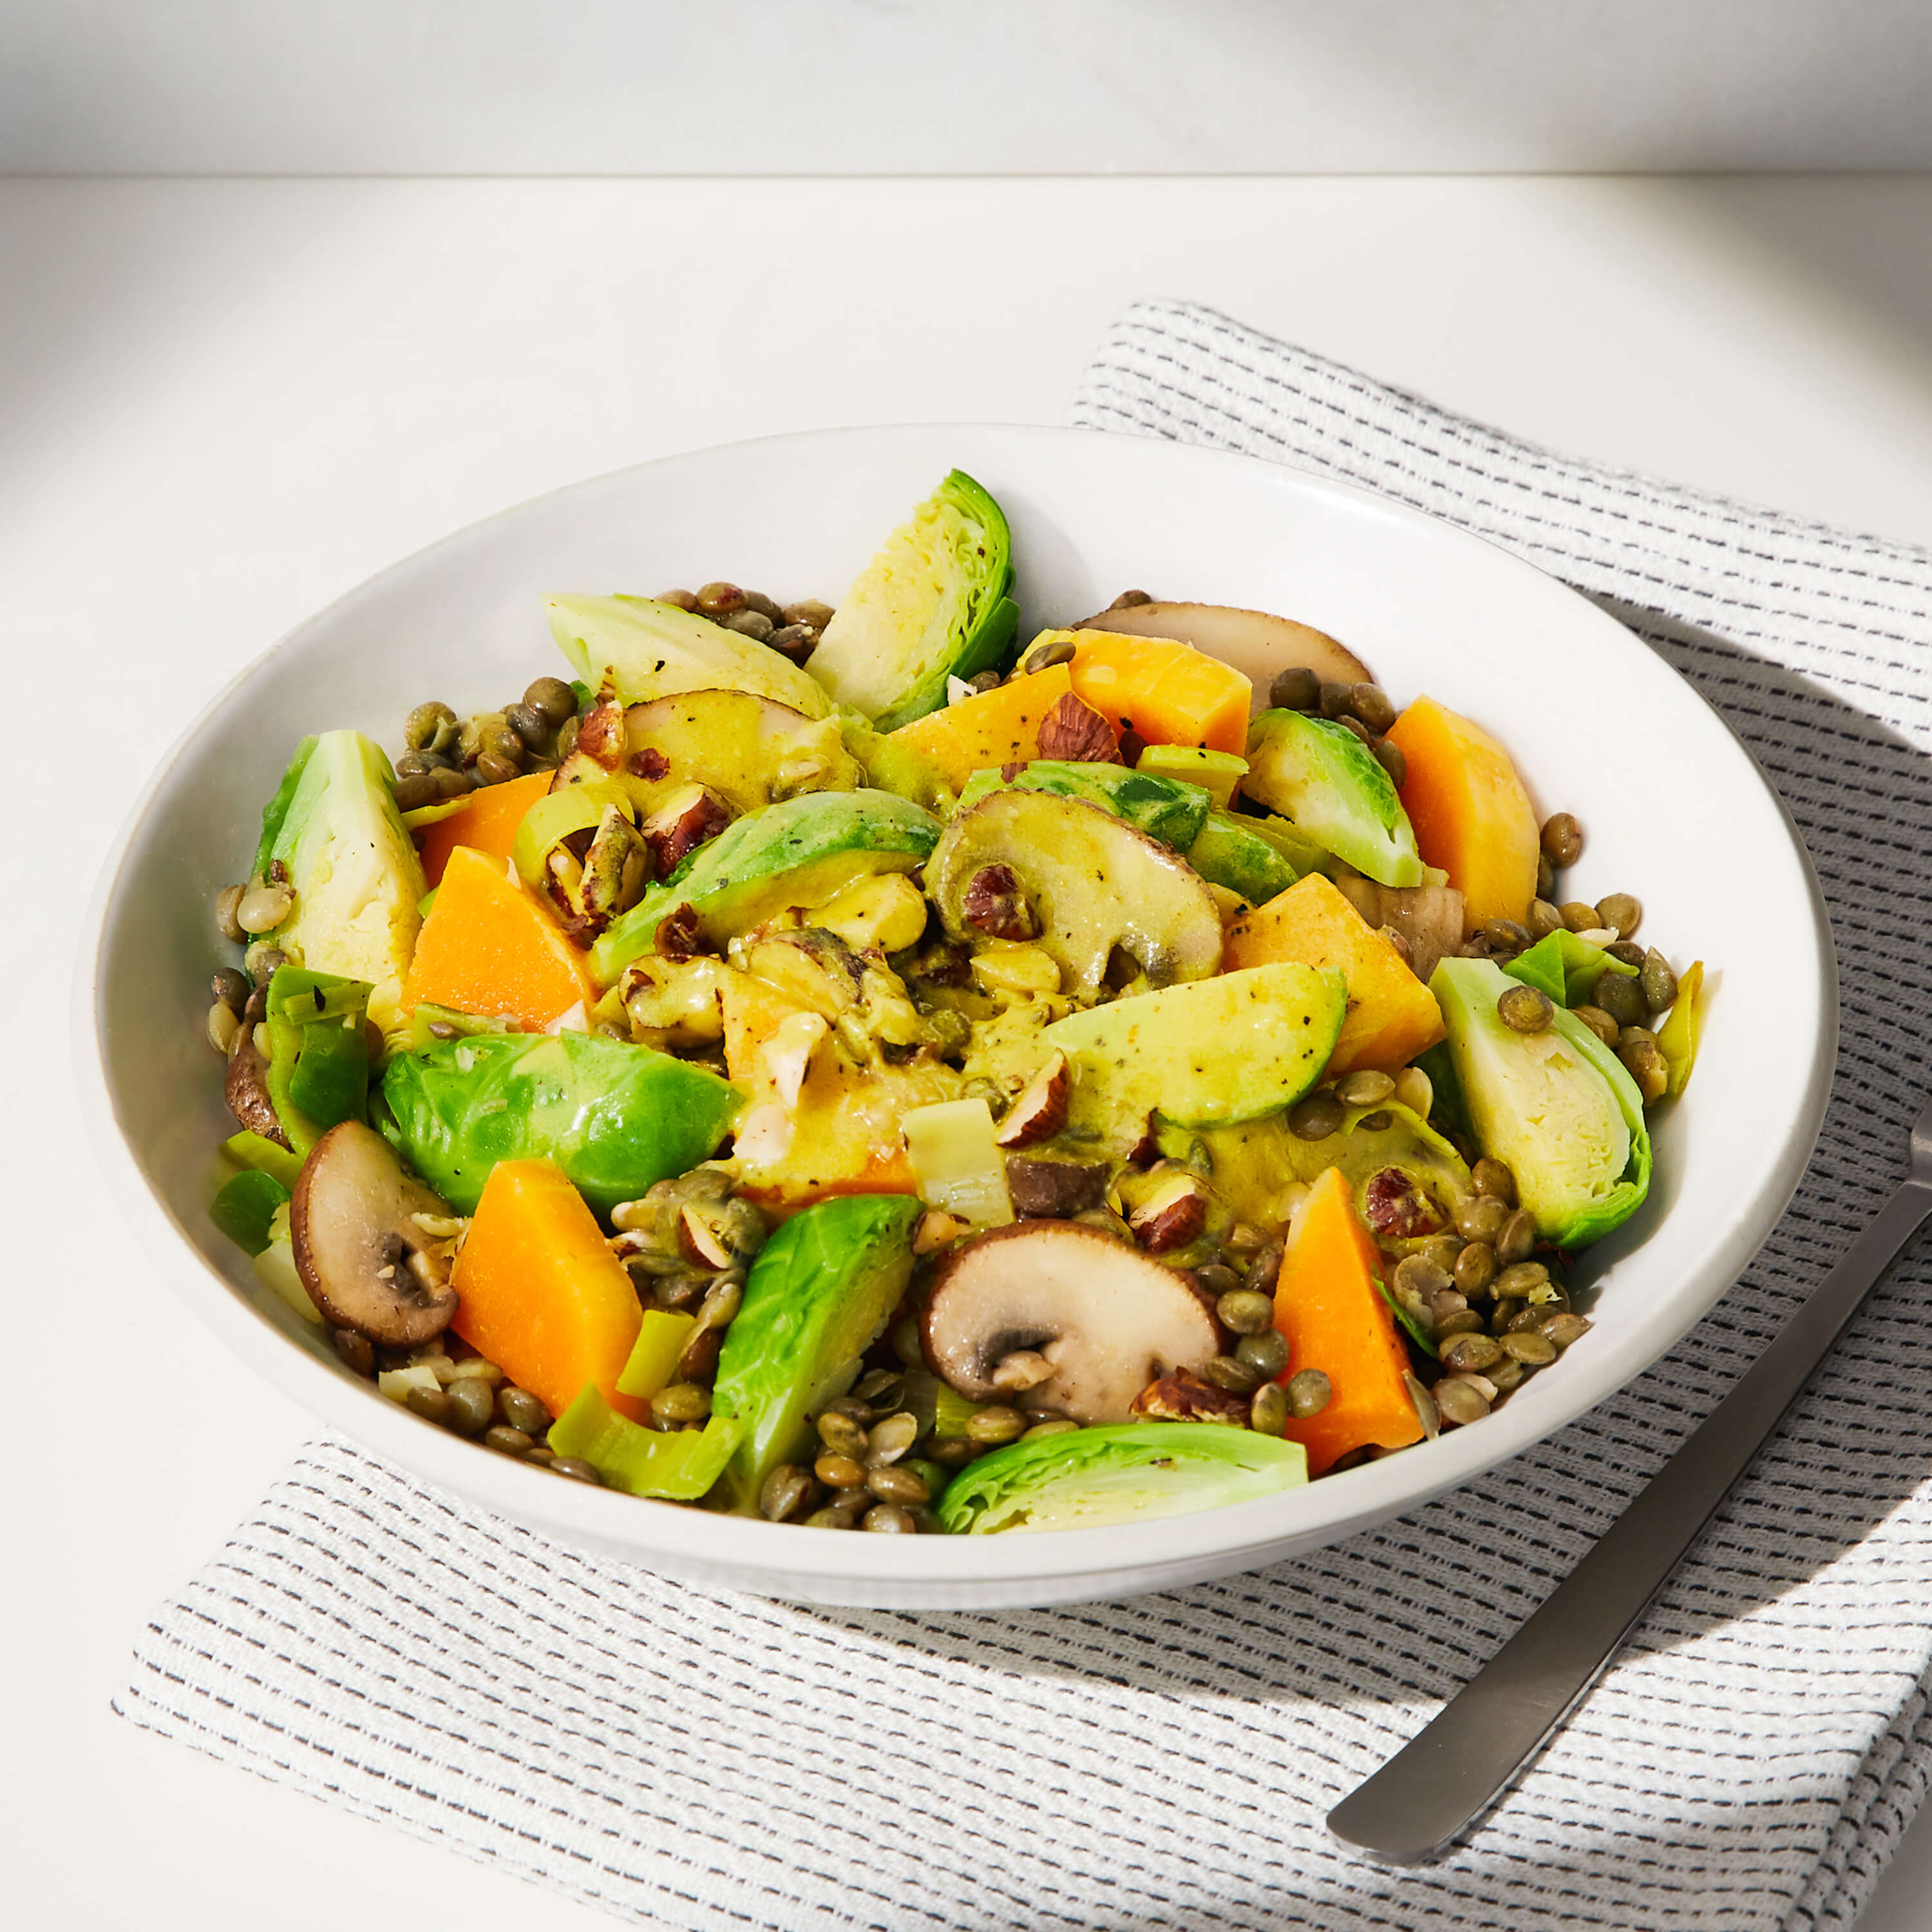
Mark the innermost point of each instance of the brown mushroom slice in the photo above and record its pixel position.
(1253, 642)
(1108, 1318)
(1429, 918)
(1093, 882)
(246, 1090)
(751, 749)
(366, 1261)
(1045, 1189)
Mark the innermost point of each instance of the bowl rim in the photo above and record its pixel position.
(787, 1560)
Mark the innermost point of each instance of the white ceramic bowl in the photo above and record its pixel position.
(1676, 809)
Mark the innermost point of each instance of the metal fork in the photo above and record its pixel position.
(1440, 1783)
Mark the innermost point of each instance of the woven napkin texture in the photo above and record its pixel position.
(691, 1761)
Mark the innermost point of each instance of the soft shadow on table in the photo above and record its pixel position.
(1435, 1600)
(1864, 243)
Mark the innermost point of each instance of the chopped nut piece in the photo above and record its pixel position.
(693, 815)
(1396, 1209)
(1183, 1397)
(1023, 1369)
(1171, 1216)
(995, 905)
(601, 736)
(936, 1229)
(678, 937)
(1074, 731)
(701, 1241)
(1040, 1112)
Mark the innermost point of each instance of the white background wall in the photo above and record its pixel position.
(910, 86)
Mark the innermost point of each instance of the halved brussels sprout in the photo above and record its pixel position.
(615, 1117)
(1123, 1472)
(333, 828)
(1233, 1048)
(1167, 809)
(819, 1295)
(1319, 775)
(931, 605)
(801, 852)
(642, 650)
(1556, 1107)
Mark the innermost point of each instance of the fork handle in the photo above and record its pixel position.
(1451, 1771)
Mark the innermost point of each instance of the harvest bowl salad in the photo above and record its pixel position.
(864, 1068)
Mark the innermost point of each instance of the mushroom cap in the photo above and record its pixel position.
(366, 1263)
(1109, 1319)
(1253, 641)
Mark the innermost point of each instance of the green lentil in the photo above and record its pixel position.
(1310, 1392)
(1657, 982)
(1245, 1311)
(1267, 1414)
(1266, 1354)
(1620, 910)
(1562, 839)
(1525, 1009)
(1492, 1177)
(1316, 1117)
(992, 1426)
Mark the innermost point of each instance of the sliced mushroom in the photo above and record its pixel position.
(1053, 1190)
(1109, 1320)
(1253, 641)
(1093, 883)
(751, 749)
(246, 1090)
(366, 1261)
(1429, 919)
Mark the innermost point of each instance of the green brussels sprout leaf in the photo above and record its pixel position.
(1121, 1472)
(1557, 1107)
(615, 1117)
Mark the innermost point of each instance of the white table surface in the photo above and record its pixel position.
(223, 403)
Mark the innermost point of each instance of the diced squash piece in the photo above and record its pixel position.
(488, 947)
(1170, 693)
(539, 1292)
(487, 822)
(1333, 1316)
(998, 727)
(1391, 1016)
(1472, 818)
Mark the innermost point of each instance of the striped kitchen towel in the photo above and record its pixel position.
(696, 1761)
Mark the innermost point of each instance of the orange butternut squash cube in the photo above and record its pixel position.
(1168, 692)
(488, 947)
(539, 1292)
(1391, 1015)
(1473, 820)
(998, 727)
(1331, 1312)
(488, 824)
